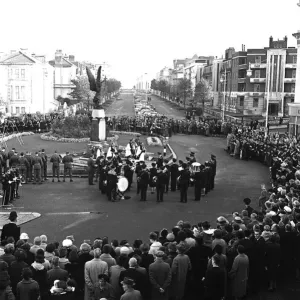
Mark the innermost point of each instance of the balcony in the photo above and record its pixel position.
(257, 80)
(258, 66)
(241, 80)
(291, 66)
(241, 93)
(289, 94)
(256, 94)
(289, 80)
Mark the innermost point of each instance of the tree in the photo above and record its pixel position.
(162, 87)
(202, 93)
(112, 85)
(184, 89)
(154, 85)
(81, 92)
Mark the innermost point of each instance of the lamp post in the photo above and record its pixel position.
(223, 80)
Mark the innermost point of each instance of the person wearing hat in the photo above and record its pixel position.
(129, 291)
(184, 183)
(161, 184)
(112, 180)
(213, 163)
(67, 161)
(160, 160)
(160, 276)
(11, 229)
(143, 182)
(173, 174)
(37, 167)
(192, 157)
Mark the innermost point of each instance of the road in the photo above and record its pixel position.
(121, 107)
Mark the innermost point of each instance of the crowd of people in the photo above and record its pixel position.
(243, 255)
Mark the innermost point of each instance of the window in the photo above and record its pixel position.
(294, 59)
(23, 73)
(242, 60)
(10, 73)
(257, 59)
(257, 74)
(255, 102)
(256, 88)
(242, 101)
(294, 74)
(293, 88)
(17, 73)
(22, 110)
(17, 93)
(10, 92)
(17, 110)
(22, 92)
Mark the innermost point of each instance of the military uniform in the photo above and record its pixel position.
(55, 160)
(44, 169)
(91, 170)
(24, 164)
(67, 161)
(37, 167)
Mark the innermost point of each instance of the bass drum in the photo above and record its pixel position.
(122, 184)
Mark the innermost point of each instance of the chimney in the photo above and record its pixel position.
(71, 58)
(58, 56)
(271, 42)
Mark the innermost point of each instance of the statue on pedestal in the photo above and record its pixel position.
(98, 123)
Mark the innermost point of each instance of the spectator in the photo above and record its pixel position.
(239, 274)
(8, 255)
(63, 257)
(49, 252)
(27, 288)
(129, 292)
(36, 245)
(73, 269)
(114, 275)
(215, 280)
(180, 268)
(160, 277)
(5, 289)
(207, 234)
(155, 244)
(146, 258)
(43, 242)
(30, 257)
(16, 268)
(24, 237)
(103, 289)
(219, 241)
(56, 273)
(105, 256)
(92, 269)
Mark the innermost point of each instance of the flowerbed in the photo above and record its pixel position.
(154, 141)
(52, 137)
(136, 134)
(11, 136)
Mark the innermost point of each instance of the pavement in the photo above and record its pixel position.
(23, 217)
(121, 107)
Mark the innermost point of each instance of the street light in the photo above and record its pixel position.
(223, 80)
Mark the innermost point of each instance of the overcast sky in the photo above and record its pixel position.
(138, 36)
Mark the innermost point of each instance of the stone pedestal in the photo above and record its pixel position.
(98, 125)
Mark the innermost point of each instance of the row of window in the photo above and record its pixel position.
(19, 73)
(17, 93)
(17, 111)
(257, 60)
(256, 89)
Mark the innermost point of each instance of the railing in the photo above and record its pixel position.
(257, 80)
(258, 66)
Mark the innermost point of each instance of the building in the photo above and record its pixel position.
(255, 77)
(143, 82)
(65, 70)
(26, 84)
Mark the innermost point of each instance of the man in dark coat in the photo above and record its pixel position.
(213, 163)
(91, 169)
(144, 181)
(56, 273)
(184, 183)
(160, 184)
(174, 175)
(11, 229)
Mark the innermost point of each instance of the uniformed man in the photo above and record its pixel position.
(91, 169)
(184, 183)
(160, 160)
(14, 160)
(24, 164)
(214, 170)
(29, 158)
(192, 158)
(144, 181)
(173, 174)
(45, 160)
(4, 159)
(37, 167)
(67, 161)
(55, 160)
(112, 180)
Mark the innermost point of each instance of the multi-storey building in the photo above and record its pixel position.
(26, 84)
(255, 77)
(143, 82)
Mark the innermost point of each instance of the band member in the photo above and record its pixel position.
(138, 170)
(112, 181)
(6, 185)
(17, 181)
(208, 173)
(144, 181)
(192, 158)
(24, 165)
(167, 172)
(37, 167)
(153, 177)
(184, 183)
(55, 160)
(128, 173)
(165, 150)
(160, 184)
(91, 169)
(67, 161)
(160, 160)
(173, 175)
(4, 159)
(14, 160)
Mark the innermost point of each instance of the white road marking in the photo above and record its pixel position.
(74, 213)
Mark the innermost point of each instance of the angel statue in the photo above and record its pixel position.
(95, 86)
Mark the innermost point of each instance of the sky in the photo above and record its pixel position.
(143, 36)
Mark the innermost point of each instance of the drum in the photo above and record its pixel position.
(122, 184)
